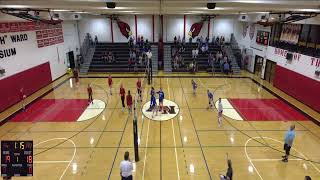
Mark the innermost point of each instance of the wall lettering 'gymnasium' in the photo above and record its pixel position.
(16, 38)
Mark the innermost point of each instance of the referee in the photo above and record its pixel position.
(288, 141)
(126, 167)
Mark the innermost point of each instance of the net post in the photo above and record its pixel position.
(135, 133)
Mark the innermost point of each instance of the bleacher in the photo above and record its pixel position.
(121, 54)
(202, 60)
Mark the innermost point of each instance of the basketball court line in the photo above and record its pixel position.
(69, 162)
(189, 109)
(174, 136)
(270, 160)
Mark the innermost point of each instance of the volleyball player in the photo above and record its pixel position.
(161, 97)
(220, 110)
(194, 86)
(210, 98)
(110, 83)
(153, 102)
(129, 102)
(139, 89)
(122, 96)
(89, 89)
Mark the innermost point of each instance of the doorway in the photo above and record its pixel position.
(270, 71)
(258, 65)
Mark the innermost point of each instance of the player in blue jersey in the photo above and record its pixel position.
(161, 98)
(194, 86)
(210, 98)
(153, 102)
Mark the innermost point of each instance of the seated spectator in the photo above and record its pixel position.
(104, 57)
(183, 44)
(140, 59)
(222, 40)
(226, 67)
(130, 63)
(175, 61)
(204, 47)
(210, 59)
(110, 57)
(179, 40)
(181, 60)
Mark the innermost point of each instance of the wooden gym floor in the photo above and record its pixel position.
(189, 146)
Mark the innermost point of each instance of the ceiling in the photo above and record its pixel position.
(166, 6)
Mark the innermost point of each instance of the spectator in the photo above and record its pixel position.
(149, 55)
(229, 174)
(183, 44)
(130, 43)
(218, 41)
(210, 59)
(130, 62)
(207, 39)
(190, 40)
(175, 40)
(104, 57)
(96, 39)
(213, 40)
(175, 61)
(307, 178)
(226, 67)
(110, 57)
(288, 141)
(147, 46)
(126, 167)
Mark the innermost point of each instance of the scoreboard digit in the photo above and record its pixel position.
(16, 158)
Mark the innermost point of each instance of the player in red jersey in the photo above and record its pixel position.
(89, 89)
(110, 83)
(122, 95)
(22, 98)
(139, 89)
(129, 102)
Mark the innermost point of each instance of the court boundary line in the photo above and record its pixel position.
(266, 160)
(74, 152)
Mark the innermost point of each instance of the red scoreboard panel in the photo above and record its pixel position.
(16, 158)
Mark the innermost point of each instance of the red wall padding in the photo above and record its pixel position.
(298, 86)
(30, 80)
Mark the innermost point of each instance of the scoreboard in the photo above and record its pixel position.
(16, 158)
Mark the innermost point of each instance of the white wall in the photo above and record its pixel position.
(173, 26)
(28, 54)
(224, 26)
(95, 25)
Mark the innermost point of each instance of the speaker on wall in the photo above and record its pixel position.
(111, 5)
(211, 5)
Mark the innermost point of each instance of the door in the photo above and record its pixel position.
(258, 65)
(270, 71)
(71, 59)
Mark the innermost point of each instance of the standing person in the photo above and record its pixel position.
(22, 98)
(139, 89)
(210, 98)
(76, 75)
(220, 110)
(288, 141)
(229, 174)
(122, 96)
(194, 86)
(126, 167)
(110, 83)
(89, 89)
(153, 101)
(129, 101)
(161, 97)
